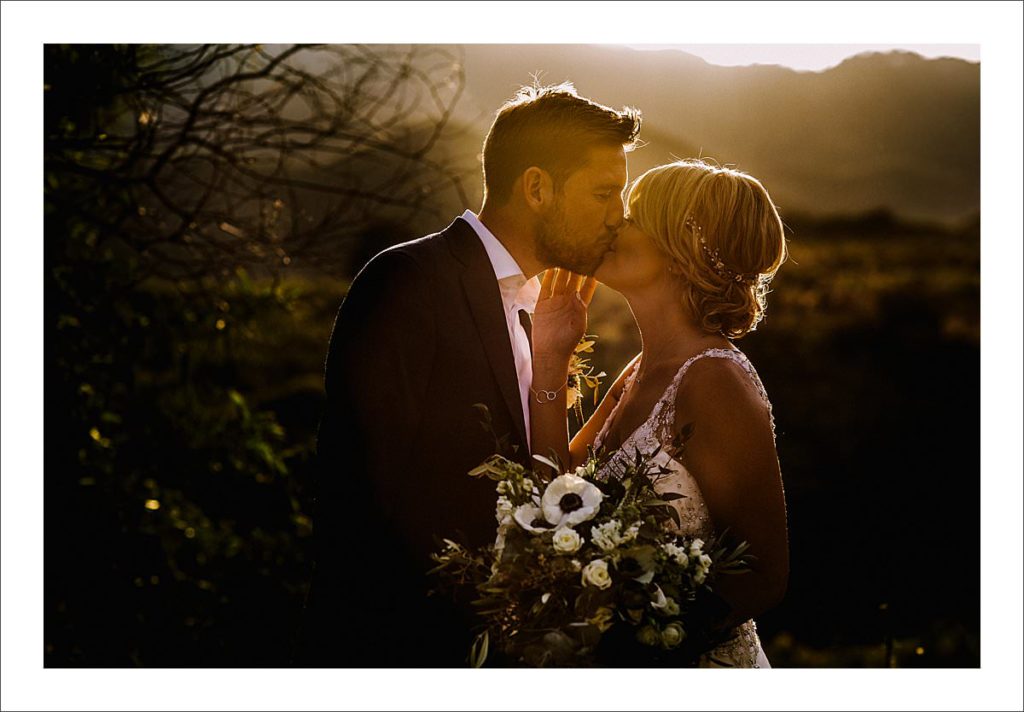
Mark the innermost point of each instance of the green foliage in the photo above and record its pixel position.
(171, 482)
(184, 346)
(170, 427)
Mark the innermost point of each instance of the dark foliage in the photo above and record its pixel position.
(185, 186)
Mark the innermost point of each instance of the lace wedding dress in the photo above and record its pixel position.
(744, 648)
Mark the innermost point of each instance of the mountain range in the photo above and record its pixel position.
(888, 132)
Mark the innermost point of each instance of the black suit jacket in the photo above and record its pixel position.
(420, 338)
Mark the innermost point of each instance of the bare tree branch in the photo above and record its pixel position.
(261, 157)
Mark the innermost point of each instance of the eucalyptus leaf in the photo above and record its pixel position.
(478, 653)
(547, 461)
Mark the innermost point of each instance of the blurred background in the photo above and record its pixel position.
(207, 206)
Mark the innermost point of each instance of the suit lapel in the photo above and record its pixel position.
(484, 298)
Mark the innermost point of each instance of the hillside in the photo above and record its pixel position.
(893, 131)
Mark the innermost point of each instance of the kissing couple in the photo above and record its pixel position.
(489, 310)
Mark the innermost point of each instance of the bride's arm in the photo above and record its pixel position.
(559, 321)
(549, 421)
(731, 454)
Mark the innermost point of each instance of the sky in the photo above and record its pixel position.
(807, 57)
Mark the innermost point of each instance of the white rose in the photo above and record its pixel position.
(699, 575)
(567, 541)
(502, 487)
(569, 500)
(672, 635)
(696, 547)
(705, 562)
(596, 574)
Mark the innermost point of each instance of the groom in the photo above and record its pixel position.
(428, 329)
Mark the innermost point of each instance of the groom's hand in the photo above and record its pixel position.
(560, 318)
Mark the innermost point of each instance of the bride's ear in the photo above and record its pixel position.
(538, 189)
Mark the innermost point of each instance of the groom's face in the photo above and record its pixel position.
(581, 225)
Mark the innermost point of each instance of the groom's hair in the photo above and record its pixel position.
(550, 127)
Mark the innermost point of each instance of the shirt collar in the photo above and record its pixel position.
(528, 294)
(506, 269)
(503, 263)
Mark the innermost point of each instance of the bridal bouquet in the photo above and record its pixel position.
(584, 570)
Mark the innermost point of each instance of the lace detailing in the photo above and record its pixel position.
(743, 650)
(656, 433)
(615, 409)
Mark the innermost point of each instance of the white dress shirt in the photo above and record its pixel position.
(517, 292)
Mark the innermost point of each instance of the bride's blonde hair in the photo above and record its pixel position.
(722, 232)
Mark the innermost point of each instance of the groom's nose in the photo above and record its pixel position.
(613, 219)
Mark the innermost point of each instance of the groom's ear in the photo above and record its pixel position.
(538, 188)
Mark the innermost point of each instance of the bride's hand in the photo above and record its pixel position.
(560, 318)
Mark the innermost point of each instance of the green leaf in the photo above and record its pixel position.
(479, 649)
(547, 461)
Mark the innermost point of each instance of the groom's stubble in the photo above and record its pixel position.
(558, 245)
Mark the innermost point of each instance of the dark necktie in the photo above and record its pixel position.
(527, 322)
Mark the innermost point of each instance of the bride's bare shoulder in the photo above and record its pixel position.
(717, 387)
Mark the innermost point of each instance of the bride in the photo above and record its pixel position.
(694, 258)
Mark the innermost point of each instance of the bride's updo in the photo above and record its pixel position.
(723, 235)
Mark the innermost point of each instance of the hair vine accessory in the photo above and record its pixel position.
(713, 256)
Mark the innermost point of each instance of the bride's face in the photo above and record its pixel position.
(633, 261)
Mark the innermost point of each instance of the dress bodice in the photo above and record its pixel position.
(657, 433)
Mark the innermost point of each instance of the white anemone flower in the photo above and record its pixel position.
(531, 518)
(569, 500)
